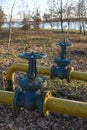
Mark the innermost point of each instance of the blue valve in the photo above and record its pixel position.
(31, 57)
(31, 81)
(63, 46)
(62, 61)
(29, 96)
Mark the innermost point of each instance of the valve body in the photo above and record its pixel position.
(60, 70)
(29, 95)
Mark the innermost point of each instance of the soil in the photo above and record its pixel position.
(76, 90)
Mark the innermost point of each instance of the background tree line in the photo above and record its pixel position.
(58, 11)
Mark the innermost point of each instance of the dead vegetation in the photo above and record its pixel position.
(45, 42)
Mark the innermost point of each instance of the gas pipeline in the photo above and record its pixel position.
(30, 94)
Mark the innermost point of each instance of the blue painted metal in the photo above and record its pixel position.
(59, 70)
(63, 46)
(29, 95)
(31, 57)
(40, 101)
(19, 99)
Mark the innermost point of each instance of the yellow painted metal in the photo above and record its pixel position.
(45, 71)
(14, 68)
(6, 97)
(79, 75)
(70, 70)
(45, 109)
(65, 106)
(76, 75)
(24, 67)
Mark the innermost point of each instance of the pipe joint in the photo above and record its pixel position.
(31, 101)
(45, 109)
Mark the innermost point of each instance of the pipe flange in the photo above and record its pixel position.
(17, 93)
(45, 111)
(70, 70)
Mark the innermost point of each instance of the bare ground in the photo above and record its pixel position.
(77, 90)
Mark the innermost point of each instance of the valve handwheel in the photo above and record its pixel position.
(31, 57)
(63, 46)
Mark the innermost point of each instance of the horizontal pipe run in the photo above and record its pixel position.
(79, 75)
(6, 97)
(65, 106)
(51, 104)
(42, 70)
(24, 67)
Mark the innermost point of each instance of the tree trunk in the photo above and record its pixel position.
(61, 26)
(10, 25)
(10, 35)
(84, 32)
(68, 25)
(61, 17)
(80, 27)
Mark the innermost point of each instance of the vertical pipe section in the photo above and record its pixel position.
(7, 97)
(65, 106)
(14, 68)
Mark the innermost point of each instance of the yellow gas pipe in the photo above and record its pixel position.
(24, 67)
(65, 106)
(45, 71)
(7, 97)
(79, 75)
(51, 104)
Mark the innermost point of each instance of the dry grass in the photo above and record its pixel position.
(45, 42)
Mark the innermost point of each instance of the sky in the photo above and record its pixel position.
(23, 6)
(26, 6)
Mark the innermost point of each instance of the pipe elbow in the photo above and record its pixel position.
(14, 68)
